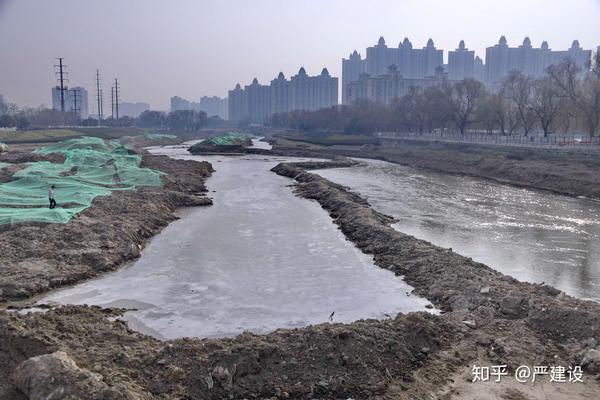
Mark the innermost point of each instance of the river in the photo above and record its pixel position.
(532, 235)
(259, 259)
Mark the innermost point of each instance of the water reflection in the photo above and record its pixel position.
(531, 235)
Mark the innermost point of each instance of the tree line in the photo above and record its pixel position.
(563, 100)
(12, 116)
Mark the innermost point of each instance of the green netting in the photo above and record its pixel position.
(227, 139)
(158, 136)
(92, 167)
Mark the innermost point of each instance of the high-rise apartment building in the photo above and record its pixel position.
(213, 105)
(500, 59)
(258, 102)
(178, 103)
(418, 64)
(410, 63)
(385, 87)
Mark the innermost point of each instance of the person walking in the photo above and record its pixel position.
(51, 194)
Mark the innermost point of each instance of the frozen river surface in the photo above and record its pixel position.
(259, 259)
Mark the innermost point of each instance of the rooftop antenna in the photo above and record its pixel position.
(61, 80)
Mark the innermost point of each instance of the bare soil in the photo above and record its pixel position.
(485, 318)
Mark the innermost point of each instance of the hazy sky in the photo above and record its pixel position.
(160, 48)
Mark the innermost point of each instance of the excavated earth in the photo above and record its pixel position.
(486, 318)
(38, 257)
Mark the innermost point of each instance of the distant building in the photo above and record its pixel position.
(462, 63)
(280, 94)
(410, 63)
(352, 68)
(210, 105)
(238, 104)
(214, 106)
(258, 102)
(132, 110)
(178, 103)
(479, 69)
(75, 100)
(500, 59)
(385, 87)
(312, 93)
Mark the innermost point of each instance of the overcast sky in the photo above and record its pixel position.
(160, 48)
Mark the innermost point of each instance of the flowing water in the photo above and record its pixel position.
(531, 235)
(259, 259)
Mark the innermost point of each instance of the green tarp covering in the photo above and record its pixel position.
(93, 167)
(227, 139)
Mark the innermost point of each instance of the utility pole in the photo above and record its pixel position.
(61, 80)
(76, 108)
(116, 98)
(112, 102)
(99, 97)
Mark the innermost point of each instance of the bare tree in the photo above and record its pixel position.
(463, 99)
(519, 87)
(413, 108)
(437, 108)
(583, 93)
(496, 111)
(547, 103)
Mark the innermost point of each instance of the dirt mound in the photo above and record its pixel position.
(56, 376)
(360, 360)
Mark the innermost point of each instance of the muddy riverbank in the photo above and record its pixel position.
(573, 174)
(488, 319)
(113, 231)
